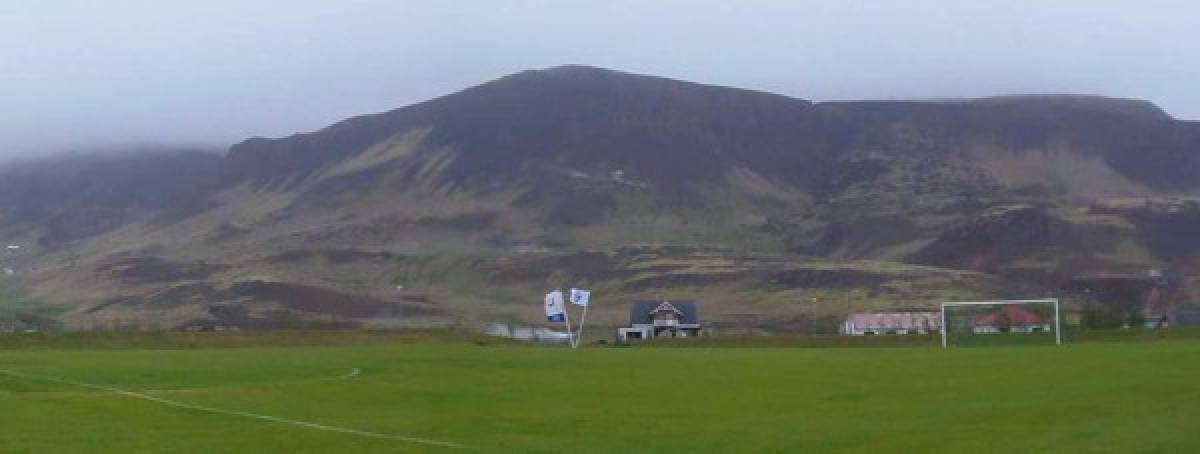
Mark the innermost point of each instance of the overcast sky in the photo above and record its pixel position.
(212, 72)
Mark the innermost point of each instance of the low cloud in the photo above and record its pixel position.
(101, 74)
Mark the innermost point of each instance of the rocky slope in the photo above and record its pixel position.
(471, 204)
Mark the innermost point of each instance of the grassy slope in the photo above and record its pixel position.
(1094, 397)
(14, 306)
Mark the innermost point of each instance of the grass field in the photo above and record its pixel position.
(377, 396)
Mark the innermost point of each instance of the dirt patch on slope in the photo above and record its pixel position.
(319, 300)
(333, 255)
(590, 266)
(176, 295)
(151, 269)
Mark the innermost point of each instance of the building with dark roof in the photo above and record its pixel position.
(651, 319)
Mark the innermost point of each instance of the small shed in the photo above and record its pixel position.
(873, 323)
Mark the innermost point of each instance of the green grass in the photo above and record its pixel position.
(1114, 396)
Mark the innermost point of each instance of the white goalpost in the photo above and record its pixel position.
(1003, 316)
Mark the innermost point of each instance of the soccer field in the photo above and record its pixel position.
(1095, 397)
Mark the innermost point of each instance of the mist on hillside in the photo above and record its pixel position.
(81, 75)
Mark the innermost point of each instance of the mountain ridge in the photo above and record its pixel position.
(776, 128)
(576, 175)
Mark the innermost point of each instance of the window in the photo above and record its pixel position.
(666, 315)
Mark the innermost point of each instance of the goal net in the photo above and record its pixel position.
(1001, 322)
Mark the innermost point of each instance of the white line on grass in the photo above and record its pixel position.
(351, 374)
(220, 411)
(355, 372)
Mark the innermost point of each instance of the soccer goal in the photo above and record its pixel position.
(1000, 322)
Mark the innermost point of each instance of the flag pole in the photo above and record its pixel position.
(567, 321)
(582, 319)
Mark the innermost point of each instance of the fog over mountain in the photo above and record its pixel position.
(80, 74)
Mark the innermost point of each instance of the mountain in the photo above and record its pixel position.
(71, 197)
(472, 204)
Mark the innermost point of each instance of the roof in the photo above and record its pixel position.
(895, 320)
(1015, 315)
(640, 313)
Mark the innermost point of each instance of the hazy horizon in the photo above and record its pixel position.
(83, 75)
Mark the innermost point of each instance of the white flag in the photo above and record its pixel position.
(554, 307)
(580, 297)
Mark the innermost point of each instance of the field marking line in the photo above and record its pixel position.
(221, 411)
(355, 372)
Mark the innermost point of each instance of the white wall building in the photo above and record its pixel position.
(877, 323)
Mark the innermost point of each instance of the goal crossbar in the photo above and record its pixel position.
(1052, 301)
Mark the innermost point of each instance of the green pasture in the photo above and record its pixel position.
(379, 396)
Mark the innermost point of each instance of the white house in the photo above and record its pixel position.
(650, 319)
(873, 323)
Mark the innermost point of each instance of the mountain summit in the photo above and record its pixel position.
(654, 129)
(673, 134)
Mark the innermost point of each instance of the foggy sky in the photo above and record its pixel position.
(91, 74)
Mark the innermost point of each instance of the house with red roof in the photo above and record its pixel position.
(1011, 318)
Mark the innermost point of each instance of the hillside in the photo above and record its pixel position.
(471, 204)
(71, 197)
